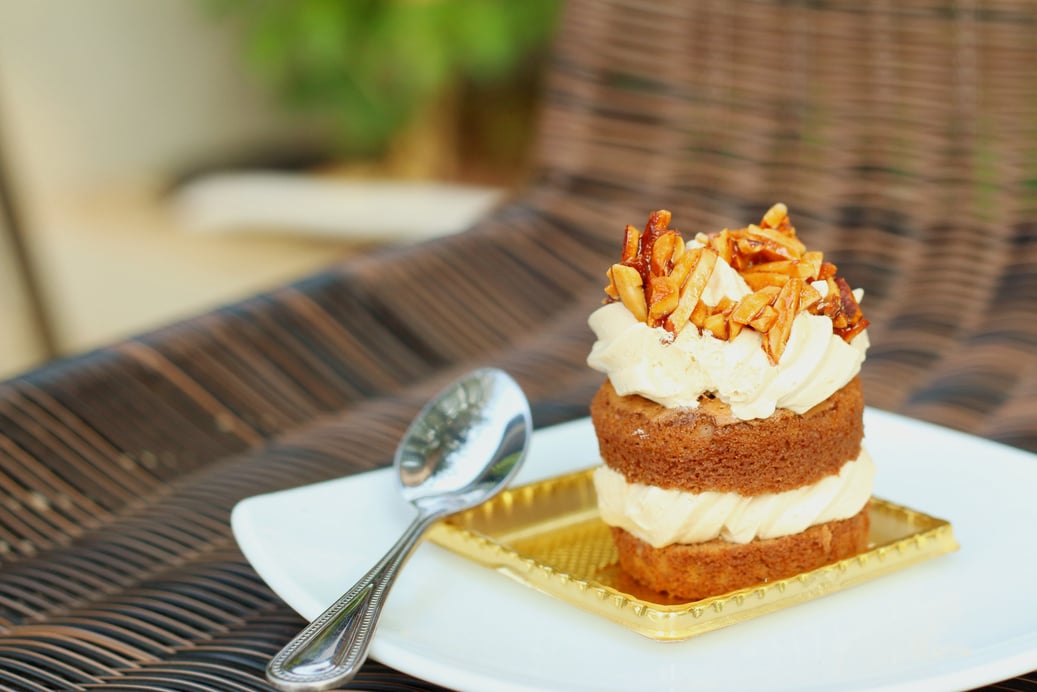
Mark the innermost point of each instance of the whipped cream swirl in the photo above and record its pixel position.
(676, 372)
(661, 517)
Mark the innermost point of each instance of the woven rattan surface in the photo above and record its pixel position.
(902, 136)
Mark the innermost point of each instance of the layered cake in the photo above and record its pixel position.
(730, 422)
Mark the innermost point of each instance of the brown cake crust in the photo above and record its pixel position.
(701, 570)
(707, 449)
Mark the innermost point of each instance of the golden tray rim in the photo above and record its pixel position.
(669, 622)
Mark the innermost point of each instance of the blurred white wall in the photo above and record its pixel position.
(108, 90)
(100, 102)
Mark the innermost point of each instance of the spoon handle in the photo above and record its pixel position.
(330, 650)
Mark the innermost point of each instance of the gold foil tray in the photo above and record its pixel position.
(548, 535)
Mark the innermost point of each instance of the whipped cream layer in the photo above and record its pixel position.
(661, 517)
(675, 372)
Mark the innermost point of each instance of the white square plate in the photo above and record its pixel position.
(958, 621)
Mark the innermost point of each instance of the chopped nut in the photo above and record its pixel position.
(692, 290)
(758, 280)
(629, 286)
(717, 326)
(809, 297)
(750, 307)
(611, 292)
(662, 299)
(631, 244)
(699, 314)
(662, 253)
(787, 305)
(765, 320)
(683, 265)
(798, 268)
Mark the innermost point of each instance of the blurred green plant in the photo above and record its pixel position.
(370, 65)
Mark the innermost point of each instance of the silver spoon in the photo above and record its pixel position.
(463, 447)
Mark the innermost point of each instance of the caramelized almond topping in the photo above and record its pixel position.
(661, 281)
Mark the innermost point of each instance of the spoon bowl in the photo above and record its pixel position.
(466, 444)
(462, 448)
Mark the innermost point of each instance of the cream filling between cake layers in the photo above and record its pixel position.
(661, 517)
(676, 372)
